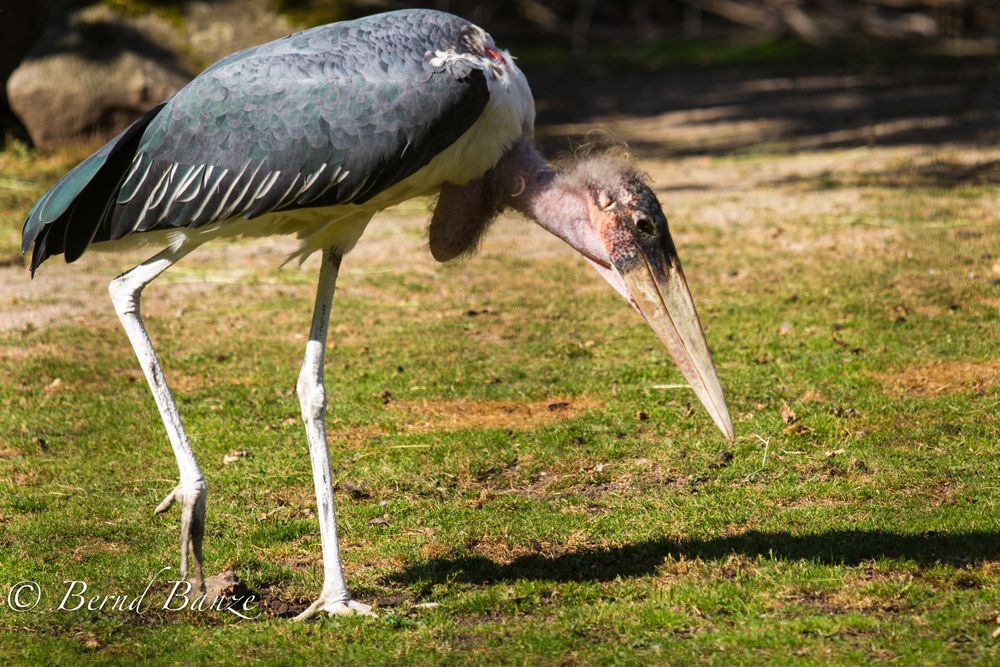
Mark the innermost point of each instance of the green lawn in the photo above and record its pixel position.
(522, 471)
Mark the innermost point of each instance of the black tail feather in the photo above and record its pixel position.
(76, 211)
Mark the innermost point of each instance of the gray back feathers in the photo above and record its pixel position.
(331, 115)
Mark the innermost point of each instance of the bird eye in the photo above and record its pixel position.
(645, 225)
(495, 55)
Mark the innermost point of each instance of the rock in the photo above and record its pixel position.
(90, 74)
(227, 585)
(20, 25)
(216, 29)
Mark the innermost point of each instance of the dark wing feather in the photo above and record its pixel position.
(334, 115)
(76, 210)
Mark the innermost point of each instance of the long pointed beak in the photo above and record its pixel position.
(656, 283)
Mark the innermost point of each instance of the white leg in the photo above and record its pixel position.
(192, 491)
(334, 599)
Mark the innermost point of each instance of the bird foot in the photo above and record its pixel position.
(335, 608)
(192, 498)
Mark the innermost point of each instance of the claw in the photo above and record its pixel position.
(166, 504)
(192, 499)
(337, 608)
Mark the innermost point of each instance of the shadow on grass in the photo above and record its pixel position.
(842, 547)
(833, 105)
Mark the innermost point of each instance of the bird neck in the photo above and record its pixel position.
(525, 181)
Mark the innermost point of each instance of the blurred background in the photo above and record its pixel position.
(80, 70)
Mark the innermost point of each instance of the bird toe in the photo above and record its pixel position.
(337, 608)
(192, 499)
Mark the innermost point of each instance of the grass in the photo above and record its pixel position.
(855, 519)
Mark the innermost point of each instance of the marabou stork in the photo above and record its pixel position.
(312, 135)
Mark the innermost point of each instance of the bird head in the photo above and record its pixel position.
(607, 212)
(625, 237)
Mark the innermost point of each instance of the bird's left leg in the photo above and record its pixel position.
(192, 491)
(334, 599)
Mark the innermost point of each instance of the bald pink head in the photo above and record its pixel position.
(604, 209)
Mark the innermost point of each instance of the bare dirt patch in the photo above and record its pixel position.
(943, 377)
(437, 415)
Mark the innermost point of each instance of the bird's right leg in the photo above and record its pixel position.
(334, 598)
(192, 491)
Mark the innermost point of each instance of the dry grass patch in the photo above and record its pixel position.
(436, 414)
(94, 547)
(430, 415)
(841, 602)
(294, 500)
(943, 377)
(20, 479)
(25, 351)
(869, 590)
(500, 549)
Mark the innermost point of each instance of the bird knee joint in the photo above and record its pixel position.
(124, 295)
(312, 397)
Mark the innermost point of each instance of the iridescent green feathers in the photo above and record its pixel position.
(76, 211)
